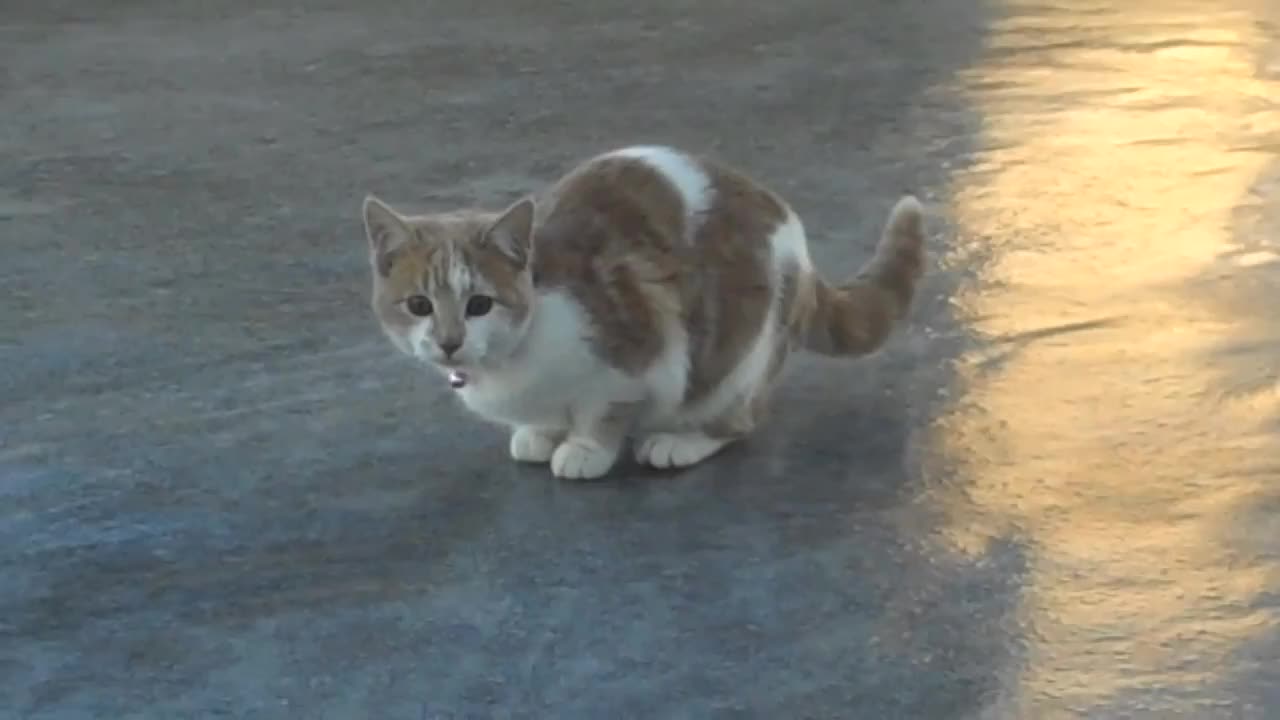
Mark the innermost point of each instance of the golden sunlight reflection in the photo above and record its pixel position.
(1119, 140)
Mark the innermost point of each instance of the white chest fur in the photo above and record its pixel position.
(554, 372)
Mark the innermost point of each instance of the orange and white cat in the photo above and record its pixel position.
(648, 293)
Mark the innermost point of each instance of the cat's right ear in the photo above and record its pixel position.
(512, 232)
(385, 229)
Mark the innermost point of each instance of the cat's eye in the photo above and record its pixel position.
(419, 305)
(479, 305)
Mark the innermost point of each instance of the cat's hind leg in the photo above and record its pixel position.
(673, 450)
(684, 447)
(681, 448)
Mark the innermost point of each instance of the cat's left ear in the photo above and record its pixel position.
(385, 229)
(512, 233)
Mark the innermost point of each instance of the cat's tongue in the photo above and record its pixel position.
(457, 379)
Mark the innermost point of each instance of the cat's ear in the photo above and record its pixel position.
(385, 229)
(512, 232)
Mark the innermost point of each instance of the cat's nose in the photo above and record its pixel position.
(449, 347)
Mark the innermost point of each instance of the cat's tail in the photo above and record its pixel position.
(856, 317)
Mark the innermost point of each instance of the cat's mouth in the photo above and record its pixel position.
(453, 370)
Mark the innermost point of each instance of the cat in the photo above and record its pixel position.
(648, 292)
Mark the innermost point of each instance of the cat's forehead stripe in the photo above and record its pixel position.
(459, 273)
(448, 269)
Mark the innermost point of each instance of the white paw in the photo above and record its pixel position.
(676, 450)
(579, 460)
(531, 445)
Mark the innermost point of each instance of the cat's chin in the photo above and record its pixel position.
(457, 376)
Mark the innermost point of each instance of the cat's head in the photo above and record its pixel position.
(452, 289)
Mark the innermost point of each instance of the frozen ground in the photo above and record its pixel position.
(1056, 494)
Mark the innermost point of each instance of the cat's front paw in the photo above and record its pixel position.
(676, 450)
(532, 445)
(578, 459)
